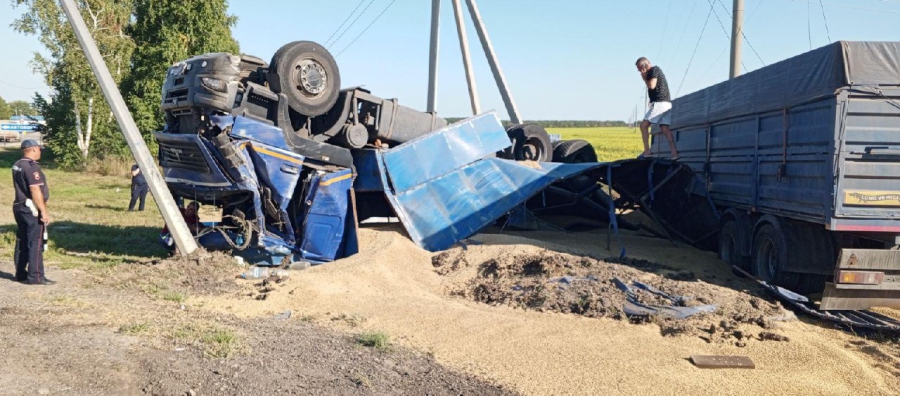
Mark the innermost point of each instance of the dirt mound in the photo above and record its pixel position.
(558, 282)
(201, 273)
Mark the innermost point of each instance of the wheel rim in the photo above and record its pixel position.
(533, 149)
(310, 77)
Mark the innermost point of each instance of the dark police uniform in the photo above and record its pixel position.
(29, 251)
(139, 189)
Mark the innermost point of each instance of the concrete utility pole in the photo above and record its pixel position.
(161, 194)
(433, 55)
(495, 65)
(467, 59)
(736, 35)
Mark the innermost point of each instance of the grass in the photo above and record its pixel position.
(611, 144)
(133, 329)
(374, 339)
(215, 342)
(174, 296)
(90, 228)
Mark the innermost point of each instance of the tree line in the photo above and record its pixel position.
(80, 125)
(561, 123)
(20, 107)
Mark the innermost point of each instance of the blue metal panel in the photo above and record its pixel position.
(445, 150)
(368, 175)
(326, 216)
(440, 212)
(278, 170)
(245, 128)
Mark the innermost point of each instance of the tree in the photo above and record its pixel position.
(167, 31)
(4, 110)
(77, 104)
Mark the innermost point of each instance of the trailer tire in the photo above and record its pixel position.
(730, 242)
(530, 142)
(308, 76)
(769, 256)
(573, 151)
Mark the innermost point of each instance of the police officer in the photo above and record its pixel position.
(32, 217)
(139, 188)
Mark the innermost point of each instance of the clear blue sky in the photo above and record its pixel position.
(571, 59)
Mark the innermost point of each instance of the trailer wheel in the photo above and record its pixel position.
(574, 151)
(770, 254)
(730, 245)
(530, 142)
(308, 75)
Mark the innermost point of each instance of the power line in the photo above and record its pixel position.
(352, 23)
(852, 8)
(684, 30)
(826, 21)
(744, 35)
(19, 86)
(695, 50)
(808, 25)
(367, 27)
(662, 38)
(345, 21)
(727, 36)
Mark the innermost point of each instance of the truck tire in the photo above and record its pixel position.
(730, 240)
(307, 75)
(770, 255)
(574, 151)
(530, 142)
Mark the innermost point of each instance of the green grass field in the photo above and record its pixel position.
(610, 143)
(89, 222)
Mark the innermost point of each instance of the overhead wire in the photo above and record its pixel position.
(827, 31)
(853, 8)
(727, 36)
(744, 35)
(699, 39)
(19, 86)
(808, 25)
(345, 21)
(367, 27)
(352, 23)
(662, 38)
(684, 30)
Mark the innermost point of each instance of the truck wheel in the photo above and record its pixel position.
(730, 245)
(530, 142)
(308, 75)
(770, 254)
(574, 151)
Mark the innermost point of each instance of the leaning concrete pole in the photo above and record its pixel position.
(736, 34)
(161, 195)
(433, 55)
(495, 65)
(467, 58)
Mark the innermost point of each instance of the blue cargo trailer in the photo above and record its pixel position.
(802, 158)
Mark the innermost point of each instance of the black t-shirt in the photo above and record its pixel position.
(661, 92)
(27, 173)
(139, 179)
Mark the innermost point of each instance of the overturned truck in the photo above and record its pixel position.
(279, 147)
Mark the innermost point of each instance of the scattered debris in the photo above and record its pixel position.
(767, 336)
(284, 315)
(720, 362)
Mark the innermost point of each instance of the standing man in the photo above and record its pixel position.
(139, 188)
(32, 217)
(660, 105)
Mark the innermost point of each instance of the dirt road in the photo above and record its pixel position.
(460, 322)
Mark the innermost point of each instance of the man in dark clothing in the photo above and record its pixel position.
(660, 105)
(139, 188)
(32, 217)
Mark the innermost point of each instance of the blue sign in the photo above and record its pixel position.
(18, 127)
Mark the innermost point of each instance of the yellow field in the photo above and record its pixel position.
(610, 143)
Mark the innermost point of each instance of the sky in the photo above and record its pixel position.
(563, 59)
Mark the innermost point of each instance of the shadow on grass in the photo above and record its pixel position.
(116, 241)
(108, 207)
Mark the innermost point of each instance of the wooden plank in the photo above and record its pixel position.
(718, 362)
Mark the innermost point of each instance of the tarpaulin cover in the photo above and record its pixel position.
(444, 189)
(803, 78)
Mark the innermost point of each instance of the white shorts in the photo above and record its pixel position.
(659, 113)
